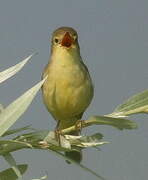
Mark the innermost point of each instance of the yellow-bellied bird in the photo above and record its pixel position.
(68, 90)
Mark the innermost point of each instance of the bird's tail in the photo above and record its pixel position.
(73, 155)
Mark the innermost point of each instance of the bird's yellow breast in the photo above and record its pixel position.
(68, 90)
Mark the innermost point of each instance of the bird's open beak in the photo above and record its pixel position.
(67, 40)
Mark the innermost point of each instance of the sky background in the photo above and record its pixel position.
(113, 36)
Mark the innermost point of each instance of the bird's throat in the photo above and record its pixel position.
(63, 56)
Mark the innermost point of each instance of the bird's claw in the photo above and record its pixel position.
(79, 125)
(57, 136)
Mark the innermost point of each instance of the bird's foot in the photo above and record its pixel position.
(58, 134)
(79, 125)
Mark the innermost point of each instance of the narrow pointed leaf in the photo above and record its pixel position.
(119, 123)
(11, 161)
(9, 174)
(86, 141)
(4, 75)
(135, 104)
(11, 113)
(36, 139)
(7, 146)
(14, 131)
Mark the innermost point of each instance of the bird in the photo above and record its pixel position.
(68, 89)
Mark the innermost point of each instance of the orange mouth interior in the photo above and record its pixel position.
(67, 40)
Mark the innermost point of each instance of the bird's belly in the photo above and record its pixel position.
(71, 100)
(69, 94)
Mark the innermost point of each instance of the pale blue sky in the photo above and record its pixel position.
(113, 36)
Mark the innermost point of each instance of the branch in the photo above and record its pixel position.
(119, 123)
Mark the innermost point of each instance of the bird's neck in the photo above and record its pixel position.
(63, 56)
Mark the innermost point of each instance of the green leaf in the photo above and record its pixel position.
(9, 174)
(11, 161)
(25, 140)
(14, 131)
(35, 136)
(36, 139)
(11, 113)
(119, 123)
(86, 141)
(135, 104)
(7, 146)
(29, 140)
(4, 75)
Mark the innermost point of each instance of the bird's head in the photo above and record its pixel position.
(65, 38)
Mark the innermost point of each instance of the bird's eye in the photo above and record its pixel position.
(56, 40)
